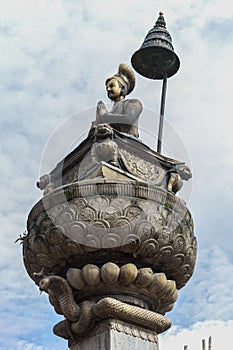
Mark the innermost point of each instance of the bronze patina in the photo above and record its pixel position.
(110, 242)
(124, 114)
(156, 56)
(156, 59)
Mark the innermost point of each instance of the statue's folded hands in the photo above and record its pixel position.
(124, 114)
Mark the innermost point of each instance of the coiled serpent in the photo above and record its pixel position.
(80, 319)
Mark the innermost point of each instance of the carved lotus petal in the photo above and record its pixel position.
(186, 278)
(149, 248)
(121, 222)
(174, 296)
(166, 308)
(164, 236)
(188, 219)
(44, 261)
(87, 214)
(135, 332)
(119, 327)
(77, 231)
(46, 226)
(144, 277)
(92, 241)
(111, 240)
(158, 283)
(73, 208)
(56, 236)
(100, 223)
(157, 220)
(110, 273)
(36, 220)
(190, 251)
(130, 243)
(145, 230)
(173, 225)
(178, 260)
(40, 245)
(179, 243)
(91, 274)
(133, 212)
(111, 213)
(165, 253)
(80, 203)
(121, 226)
(128, 274)
(124, 219)
(30, 255)
(66, 217)
(30, 239)
(127, 329)
(129, 239)
(169, 289)
(75, 279)
(56, 211)
(71, 247)
(56, 252)
(99, 203)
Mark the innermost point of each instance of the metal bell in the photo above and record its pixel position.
(156, 57)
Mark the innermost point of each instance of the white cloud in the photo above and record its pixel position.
(220, 332)
(207, 295)
(23, 345)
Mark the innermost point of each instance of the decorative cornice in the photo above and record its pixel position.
(103, 187)
(122, 327)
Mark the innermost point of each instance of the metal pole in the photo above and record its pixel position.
(203, 344)
(161, 119)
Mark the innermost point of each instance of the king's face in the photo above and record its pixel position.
(113, 89)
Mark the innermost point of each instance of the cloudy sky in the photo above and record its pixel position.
(55, 57)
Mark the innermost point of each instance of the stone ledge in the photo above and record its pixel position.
(112, 334)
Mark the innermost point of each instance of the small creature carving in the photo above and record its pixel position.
(176, 177)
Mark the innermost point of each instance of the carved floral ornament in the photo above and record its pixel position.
(152, 233)
(110, 249)
(126, 157)
(110, 239)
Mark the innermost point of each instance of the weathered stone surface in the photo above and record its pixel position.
(110, 243)
(75, 230)
(110, 239)
(83, 222)
(112, 334)
(117, 156)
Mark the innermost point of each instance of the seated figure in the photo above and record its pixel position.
(124, 114)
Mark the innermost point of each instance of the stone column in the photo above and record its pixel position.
(112, 334)
(111, 252)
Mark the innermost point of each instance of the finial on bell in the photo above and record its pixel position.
(156, 57)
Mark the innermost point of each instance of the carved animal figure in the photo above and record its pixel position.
(61, 296)
(105, 151)
(176, 177)
(80, 320)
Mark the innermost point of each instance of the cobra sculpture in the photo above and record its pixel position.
(80, 319)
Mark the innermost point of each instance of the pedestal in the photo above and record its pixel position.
(112, 334)
(111, 243)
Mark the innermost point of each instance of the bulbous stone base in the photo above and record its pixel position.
(88, 222)
(109, 248)
(110, 242)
